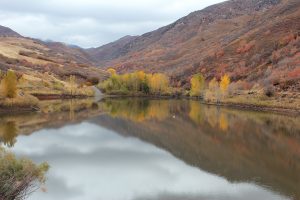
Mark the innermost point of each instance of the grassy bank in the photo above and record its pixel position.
(20, 103)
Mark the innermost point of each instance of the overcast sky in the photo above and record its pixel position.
(91, 23)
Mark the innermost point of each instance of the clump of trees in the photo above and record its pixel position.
(136, 83)
(213, 92)
(19, 177)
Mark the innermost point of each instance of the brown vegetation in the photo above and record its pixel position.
(237, 38)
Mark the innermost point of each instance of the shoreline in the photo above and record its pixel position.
(257, 108)
(43, 97)
(18, 109)
(242, 106)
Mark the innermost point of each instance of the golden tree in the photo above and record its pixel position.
(159, 83)
(111, 71)
(197, 85)
(9, 84)
(225, 81)
(73, 86)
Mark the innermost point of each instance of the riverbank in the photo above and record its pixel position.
(21, 103)
(26, 103)
(286, 106)
(60, 96)
(260, 108)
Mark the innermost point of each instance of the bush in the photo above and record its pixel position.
(19, 177)
(269, 91)
(24, 101)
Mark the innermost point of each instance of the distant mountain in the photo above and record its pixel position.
(102, 55)
(7, 32)
(251, 40)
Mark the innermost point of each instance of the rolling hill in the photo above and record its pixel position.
(27, 55)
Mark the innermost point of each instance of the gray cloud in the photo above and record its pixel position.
(91, 23)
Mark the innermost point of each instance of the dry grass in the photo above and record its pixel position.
(10, 47)
(257, 100)
(48, 84)
(24, 101)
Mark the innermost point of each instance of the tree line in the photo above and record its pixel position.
(139, 82)
(214, 91)
(136, 83)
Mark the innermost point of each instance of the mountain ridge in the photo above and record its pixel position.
(7, 32)
(253, 41)
(243, 38)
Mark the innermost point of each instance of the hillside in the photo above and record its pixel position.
(7, 32)
(102, 55)
(45, 69)
(251, 40)
(26, 55)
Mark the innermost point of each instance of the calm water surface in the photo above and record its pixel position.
(137, 149)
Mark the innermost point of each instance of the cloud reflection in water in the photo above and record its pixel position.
(90, 162)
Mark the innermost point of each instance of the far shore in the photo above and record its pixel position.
(239, 105)
(236, 105)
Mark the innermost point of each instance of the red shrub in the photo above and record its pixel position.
(294, 74)
(245, 47)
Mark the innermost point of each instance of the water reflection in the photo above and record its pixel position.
(95, 163)
(236, 154)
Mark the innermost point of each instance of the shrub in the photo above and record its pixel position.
(19, 177)
(269, 91)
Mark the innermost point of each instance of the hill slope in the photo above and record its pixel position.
(102, 55)
(251, 40)
(30, 55)
(7, 32)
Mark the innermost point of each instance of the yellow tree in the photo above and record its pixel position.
(225, 81)
(111, 71)
(9, 84)
(73, 86)
(197, 85)
(159, 83)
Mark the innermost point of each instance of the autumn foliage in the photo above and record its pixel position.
(136, 83)
(197, 85)
(9, 84)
